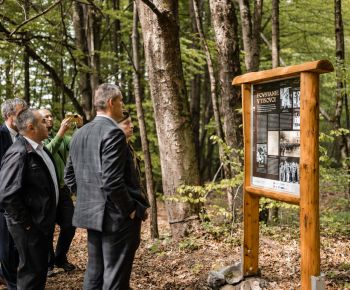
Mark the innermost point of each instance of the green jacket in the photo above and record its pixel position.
(59, 148)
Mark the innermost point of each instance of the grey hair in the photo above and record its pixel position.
(8, 107)
(104, 93)
(24, 118)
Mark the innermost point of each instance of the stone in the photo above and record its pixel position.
(227, 275)
(233, 274)
(215, 279)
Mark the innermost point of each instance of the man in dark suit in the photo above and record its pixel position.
(58, 145)
(29, 195)
(8, 251)
(109, 203)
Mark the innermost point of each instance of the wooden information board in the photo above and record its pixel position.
(281, 127)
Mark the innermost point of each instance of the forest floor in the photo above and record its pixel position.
(185, 265)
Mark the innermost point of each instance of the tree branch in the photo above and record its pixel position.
(35, 17)
(153, 8)
(263, 37)
(326, 116)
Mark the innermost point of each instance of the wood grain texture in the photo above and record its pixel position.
(280, 196)
(251, 202)
(309, 178)
(319, 66)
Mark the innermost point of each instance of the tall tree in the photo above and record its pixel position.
(143, 130)
(275, 34)
(26, 7)
(251, 28)
(160, 29)
(341, 96)
(195, 89)
(93, 34)
(224, 21)
(225, 24)
(79, 24)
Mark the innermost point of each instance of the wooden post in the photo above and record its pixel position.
(309, 175)
(308, 198)
(251, 202)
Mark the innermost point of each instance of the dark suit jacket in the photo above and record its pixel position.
(5, 243)
(98, 170)
(27, 191)
(5, 140)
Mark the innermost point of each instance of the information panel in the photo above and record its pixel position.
(276, 135)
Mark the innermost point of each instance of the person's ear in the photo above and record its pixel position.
(30, 127)
(110, 103)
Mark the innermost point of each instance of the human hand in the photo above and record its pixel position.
(65, 125)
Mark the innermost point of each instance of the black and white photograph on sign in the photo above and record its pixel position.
(261, 154)
(290, 143)
(272, 166)
(286, 100)
(296, 98)
(286, 121)
(262, 129)
(289, 171)
(272, 143)
(273, 122)
(296, 120)
(276, 135)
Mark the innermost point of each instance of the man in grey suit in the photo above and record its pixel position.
(109, 202)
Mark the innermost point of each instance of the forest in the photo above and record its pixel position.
(174, 61)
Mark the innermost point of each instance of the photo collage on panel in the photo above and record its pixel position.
(276, 131)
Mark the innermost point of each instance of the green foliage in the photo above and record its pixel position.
(193, 59)
(335, 217)
(215, 216)
(188, 244)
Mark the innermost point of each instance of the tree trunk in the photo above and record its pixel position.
(143, 130)
(341, 92)
(171, 109)
(213, 94)
(116, 40)
(79, 24)
(8, 80)
(26, 76)
(251, 28)
(195, 93)
(341, 95)
(224, 21)
(94, 45)
(275, 34)
(275, 49)
(26, 7)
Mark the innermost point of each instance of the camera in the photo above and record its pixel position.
(72, 117)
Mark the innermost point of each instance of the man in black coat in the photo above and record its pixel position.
(8, 252)
(109, 203)
(29, 195)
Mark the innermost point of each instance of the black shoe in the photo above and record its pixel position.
(50, 272)
(66, 266)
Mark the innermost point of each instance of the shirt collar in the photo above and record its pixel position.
(105, 116)
(12, 132)
(35, 145)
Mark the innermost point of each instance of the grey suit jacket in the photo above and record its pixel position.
(97, 171)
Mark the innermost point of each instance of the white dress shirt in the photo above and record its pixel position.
(13, 133)
(40, 150)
